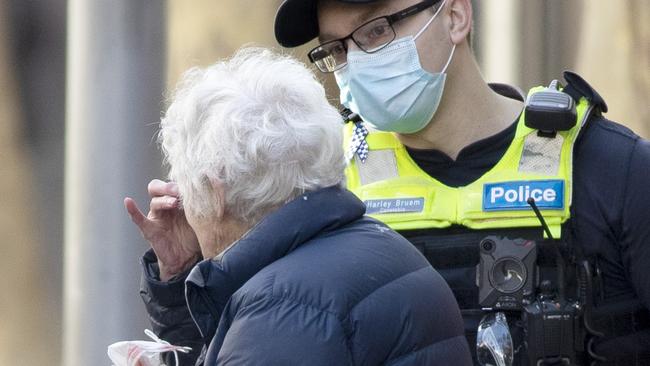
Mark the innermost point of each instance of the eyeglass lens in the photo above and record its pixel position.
(375, 35)
(330, 56)
(370, 37)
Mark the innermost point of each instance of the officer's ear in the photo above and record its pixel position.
(460, 14)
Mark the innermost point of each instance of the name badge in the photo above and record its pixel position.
(548, 194)
(394, 205)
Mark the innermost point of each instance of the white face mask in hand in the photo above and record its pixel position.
(389, 89)
(142, 353)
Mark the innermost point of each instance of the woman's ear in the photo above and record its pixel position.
(461, 20)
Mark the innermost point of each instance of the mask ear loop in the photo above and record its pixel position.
(430, 20)
(444, 69)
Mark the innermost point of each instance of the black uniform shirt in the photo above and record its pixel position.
(472, 162)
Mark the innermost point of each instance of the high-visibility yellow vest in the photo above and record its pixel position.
(397, 192)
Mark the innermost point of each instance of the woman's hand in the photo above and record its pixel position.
(166, 229)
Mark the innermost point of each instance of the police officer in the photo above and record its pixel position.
(477, 175)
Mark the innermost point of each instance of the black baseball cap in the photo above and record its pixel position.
(296, 22)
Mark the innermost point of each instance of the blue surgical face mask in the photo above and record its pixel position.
(389, 89)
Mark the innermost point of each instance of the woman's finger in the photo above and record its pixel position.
(136, 215)
(162, 203)
(158, 187)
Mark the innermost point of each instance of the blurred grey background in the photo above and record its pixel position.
(69, 254)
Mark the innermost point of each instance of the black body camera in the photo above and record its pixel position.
(506, 272)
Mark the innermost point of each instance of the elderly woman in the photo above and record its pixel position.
(293, 272)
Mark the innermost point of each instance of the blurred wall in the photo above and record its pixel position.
(25, 313)
(526, 42)
(202, 31)
(614, 55)
(530, 42)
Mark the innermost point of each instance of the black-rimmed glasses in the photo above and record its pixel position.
(370, 37)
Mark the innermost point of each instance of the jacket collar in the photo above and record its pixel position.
(212, 282)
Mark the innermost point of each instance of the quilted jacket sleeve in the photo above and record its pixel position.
(170, 318)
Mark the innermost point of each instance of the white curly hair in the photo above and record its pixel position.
(261, 125)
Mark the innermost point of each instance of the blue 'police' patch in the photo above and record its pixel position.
(504, 196)
(394, 205)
